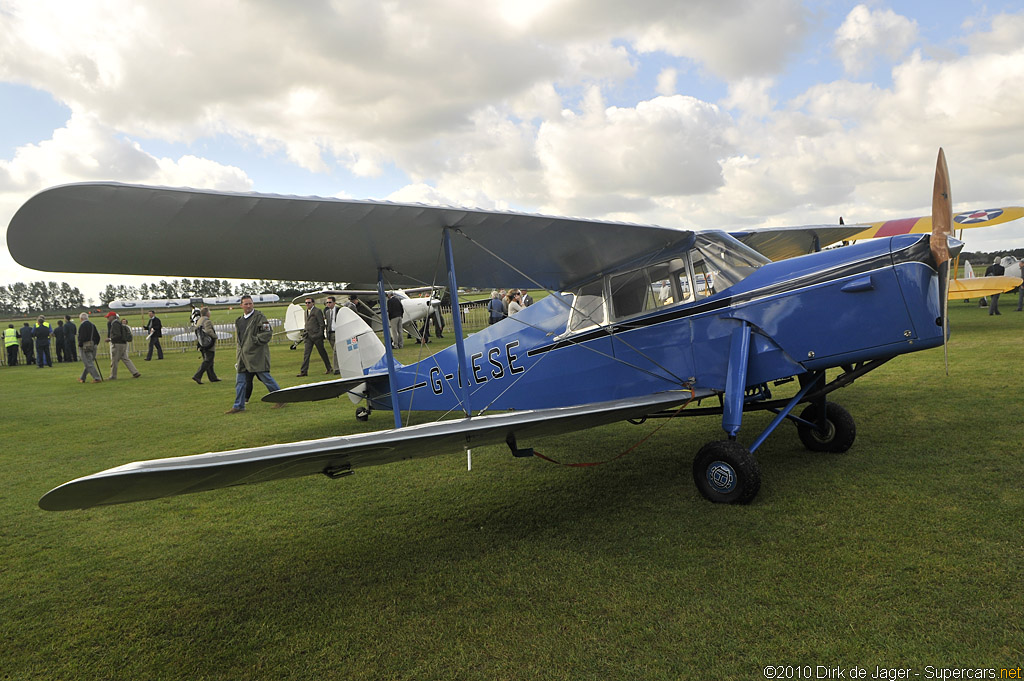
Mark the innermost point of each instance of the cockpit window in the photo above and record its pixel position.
(716, 262)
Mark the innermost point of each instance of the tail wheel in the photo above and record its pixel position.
(726, 473)
(362, 414)
(838, 433)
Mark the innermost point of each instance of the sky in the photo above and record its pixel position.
(704, 114)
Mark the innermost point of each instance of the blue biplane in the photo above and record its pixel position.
(742, 312)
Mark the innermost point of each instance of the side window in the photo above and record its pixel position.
(647, 289)
(631, 293)
(588, 307)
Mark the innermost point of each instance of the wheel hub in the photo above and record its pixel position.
(824, 435)
(721, 476)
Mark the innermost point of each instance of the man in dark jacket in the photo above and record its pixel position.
(252, 354)
(88, 341)
(27, 343)
(994, 270)
(70, 340)
(155, 328)
(314, 337)
(395, 312)
(41, 335)
(58, 340)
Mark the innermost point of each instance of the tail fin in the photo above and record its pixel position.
(356, 347)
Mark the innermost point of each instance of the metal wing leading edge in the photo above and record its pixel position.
(158, 478)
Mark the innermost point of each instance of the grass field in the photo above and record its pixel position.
(904, 552)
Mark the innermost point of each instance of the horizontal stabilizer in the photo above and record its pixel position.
(324, 390)
(335, 455)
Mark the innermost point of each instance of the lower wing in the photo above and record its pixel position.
(978, 287)
(335, 456)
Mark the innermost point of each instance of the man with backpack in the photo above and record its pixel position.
(119, 335)
(206, 339)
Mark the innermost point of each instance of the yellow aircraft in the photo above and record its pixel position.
(968, 287)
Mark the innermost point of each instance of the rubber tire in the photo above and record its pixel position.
(362, 414)
(726, 473)
(842, 429)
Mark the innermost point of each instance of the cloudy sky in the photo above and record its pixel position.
(698, 114)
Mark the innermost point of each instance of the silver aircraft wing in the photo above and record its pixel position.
(191, 232)
(334, 456)
(779, 243)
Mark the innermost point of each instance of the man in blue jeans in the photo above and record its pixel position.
(252, 353)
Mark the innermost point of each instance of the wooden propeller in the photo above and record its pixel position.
(942, 229)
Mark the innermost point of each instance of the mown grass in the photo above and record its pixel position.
(906, 551)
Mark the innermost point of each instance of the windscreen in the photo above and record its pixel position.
(720, 261)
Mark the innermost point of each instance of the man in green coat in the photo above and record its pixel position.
(253, 333)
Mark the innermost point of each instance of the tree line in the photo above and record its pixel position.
(211, 288)
(983, 259)
(40, 297)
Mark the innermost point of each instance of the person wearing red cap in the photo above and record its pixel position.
(118, 336)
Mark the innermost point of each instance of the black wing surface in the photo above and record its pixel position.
(191, 232)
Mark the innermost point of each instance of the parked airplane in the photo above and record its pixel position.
(158, 303)
(416, 309)
(184, 334)
(601, 348)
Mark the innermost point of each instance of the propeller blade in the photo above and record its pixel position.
(942, 212)
(944, 270)
(942, 229)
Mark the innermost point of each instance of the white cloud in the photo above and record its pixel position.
(867, 34)
(731, 38)
(480, 104)
(1006, 34)
(667, 82)
(86, 150)
(665, 146)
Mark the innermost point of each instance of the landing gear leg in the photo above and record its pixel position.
(726, 472)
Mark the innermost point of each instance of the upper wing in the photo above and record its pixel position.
(923, 225)
(167, 477)
(125, 229)
(779, 243)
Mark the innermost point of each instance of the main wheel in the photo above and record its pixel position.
(726, 473)
(839, 433)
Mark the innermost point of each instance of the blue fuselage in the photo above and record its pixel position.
(871, 300)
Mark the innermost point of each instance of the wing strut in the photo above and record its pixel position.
(388, 349)
(460, 346)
